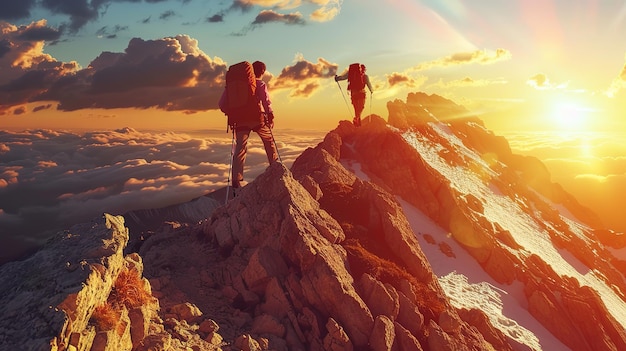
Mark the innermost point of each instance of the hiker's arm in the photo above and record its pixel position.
(264, 97)
(369, 85)
(341, 77)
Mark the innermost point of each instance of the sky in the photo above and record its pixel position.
(160, 64)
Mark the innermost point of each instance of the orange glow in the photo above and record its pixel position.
(570, 115)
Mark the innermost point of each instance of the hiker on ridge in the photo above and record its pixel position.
(357, 80)
(244, 125)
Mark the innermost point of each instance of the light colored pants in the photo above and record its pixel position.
(239, 158)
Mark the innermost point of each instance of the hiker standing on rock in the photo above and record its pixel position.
(357, 80)
(247, 104)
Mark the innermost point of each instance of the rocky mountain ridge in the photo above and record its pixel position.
(318, 258)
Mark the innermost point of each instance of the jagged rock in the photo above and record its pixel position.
(479, 320)
(336, 339)
(276, 301)
(409, 315)
(268, 324)
(264, 265)
(381, 299)
(52, 295)
(383, 334)
(306, 237)
(186, 311)
(439, 340)
(405, 340)
(247, 343)
(449, 322)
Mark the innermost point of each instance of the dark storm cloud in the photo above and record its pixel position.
(40, 34)
(51, 180)
(5, 47)
(169, 73)
(16, 9)
(79, 12)
(304, 77)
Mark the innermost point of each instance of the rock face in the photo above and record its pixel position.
(49, 299)
(316, 257)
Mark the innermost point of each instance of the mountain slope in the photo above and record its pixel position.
(468, 182)
(424, 233)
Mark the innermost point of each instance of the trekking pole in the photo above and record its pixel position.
(273, 140)
(230, 167)
(276, 146)
(344, 99)
(370, 105)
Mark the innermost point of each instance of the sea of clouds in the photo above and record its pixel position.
(589, 165)
(50, 180)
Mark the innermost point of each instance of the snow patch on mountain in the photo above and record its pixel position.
(512, 217)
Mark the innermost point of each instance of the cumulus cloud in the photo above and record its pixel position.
(169, 73)
(469, 82)
(541, 81)
(326, 11)
(396, 78)
(304, 77)
(271, 16)
(267, 16)
(50, 180)
(483, 57)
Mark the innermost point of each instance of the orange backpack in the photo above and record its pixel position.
(242, 106)
(356, 77)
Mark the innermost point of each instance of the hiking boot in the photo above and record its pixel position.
(356, 121)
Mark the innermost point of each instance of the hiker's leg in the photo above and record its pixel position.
(239, 158)
(358, 100)
(265, 133)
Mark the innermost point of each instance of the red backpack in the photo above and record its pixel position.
(242, 106)
(356, 77)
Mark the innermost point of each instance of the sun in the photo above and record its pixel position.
(570, 115)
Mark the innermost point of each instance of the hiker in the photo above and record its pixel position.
(259, 120)
(357, 80)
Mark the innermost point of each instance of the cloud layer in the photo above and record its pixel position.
(171, 74)
(591, 166)
(50, 180)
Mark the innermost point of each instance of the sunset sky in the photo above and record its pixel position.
(517, 64)
(111, 105)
